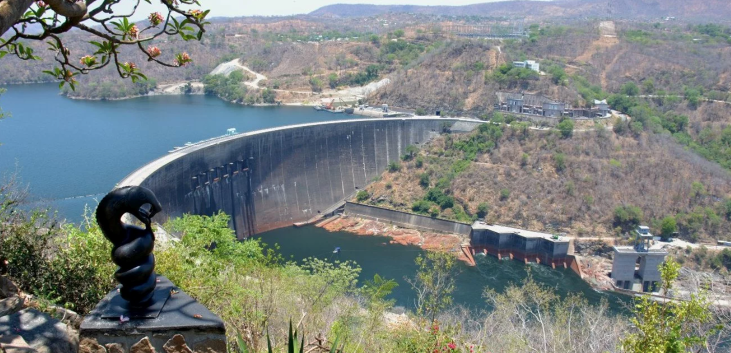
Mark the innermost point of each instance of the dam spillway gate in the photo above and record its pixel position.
(272, 178)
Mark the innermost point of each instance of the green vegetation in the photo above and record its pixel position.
(566, 128)
(434, 283)
(400, 52)
(482, 209)
(229, 87)
(394, 167)
(668, 227)
(662, 327)
(559, 160)
(715, 31)
(627, 217)
(362, 196)
(504, 194)
(507, 75)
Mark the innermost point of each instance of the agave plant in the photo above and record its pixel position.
(294, 343)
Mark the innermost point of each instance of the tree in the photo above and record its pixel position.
(669, 326)
(362, 196)
(482, 209)
(566, 127)
(28, 20)
(433, 283)
(630, 89)
(668, 226)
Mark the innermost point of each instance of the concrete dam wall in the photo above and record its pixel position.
(273, 178)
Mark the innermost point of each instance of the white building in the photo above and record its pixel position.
(528, 64)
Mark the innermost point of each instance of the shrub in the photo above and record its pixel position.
(68, 266)
(420, 111)
(394, 167)
(419, 162)
(504, 194)
(424, 180)
(421, 206)
(362, 196)
(560, 161)
(627, 217)
(482, 209)
(566, 127)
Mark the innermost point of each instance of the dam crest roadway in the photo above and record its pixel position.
(272, 178)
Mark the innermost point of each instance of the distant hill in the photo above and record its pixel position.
(691, 10)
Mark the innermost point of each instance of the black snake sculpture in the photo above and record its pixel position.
(132, 245)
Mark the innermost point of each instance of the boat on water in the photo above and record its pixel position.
(319, 107)
(336, 111)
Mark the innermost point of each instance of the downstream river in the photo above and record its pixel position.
(71, 152)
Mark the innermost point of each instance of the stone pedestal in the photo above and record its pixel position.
(179, 325)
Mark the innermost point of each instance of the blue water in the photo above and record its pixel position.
(394, 261)
(71, 152)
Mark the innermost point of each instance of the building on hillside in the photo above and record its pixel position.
(637, 267)
(602, 106)
(528, 246)
(528, 64)
(554, 109)
(540, 105)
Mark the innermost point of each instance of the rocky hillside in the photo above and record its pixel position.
(580, 185)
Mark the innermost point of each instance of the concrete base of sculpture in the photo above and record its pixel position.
(182, 326)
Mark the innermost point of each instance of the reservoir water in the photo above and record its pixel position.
(71, 153)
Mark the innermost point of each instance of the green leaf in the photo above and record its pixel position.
(334, 347)
(290, 340)
(60, 85)
(240, 342)
(3, 53)
(269, 343)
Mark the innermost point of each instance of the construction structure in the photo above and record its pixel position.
(528, 64)
(540, 105)
(636, 268)
(519, 244)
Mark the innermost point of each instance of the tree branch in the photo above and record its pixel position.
(11, 11)
(68, 8)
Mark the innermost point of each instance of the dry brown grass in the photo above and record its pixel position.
(601, 173)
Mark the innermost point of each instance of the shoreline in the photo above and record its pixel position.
(427, 241)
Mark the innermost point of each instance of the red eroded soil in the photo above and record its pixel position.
(426, 240)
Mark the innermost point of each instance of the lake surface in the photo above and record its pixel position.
(71, 153)
(394, 261)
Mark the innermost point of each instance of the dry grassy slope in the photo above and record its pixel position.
(293, 63)
(700, 10)
(446, 80)
(651, 172)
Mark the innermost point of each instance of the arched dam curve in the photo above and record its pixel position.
(272, 178)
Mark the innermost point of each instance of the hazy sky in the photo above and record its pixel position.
(229, 8)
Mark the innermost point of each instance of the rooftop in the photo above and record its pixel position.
(480, 225)
(632, 250)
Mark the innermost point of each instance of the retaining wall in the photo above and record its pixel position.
(273, 178)
(408, 220)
